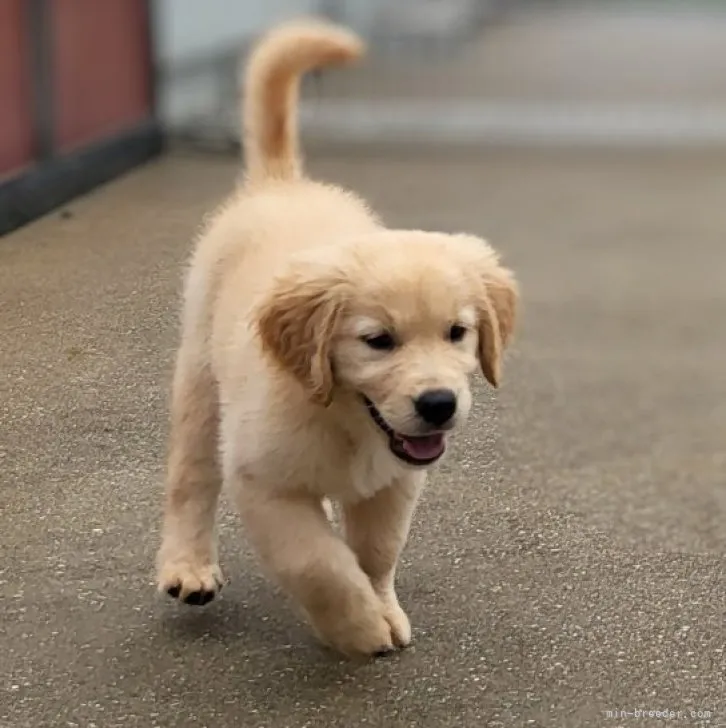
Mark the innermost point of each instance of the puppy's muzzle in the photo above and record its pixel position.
(420, 450)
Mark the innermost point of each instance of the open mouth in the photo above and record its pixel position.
(414, 450)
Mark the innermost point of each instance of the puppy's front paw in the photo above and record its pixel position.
(195, 584)
(363, 632)
(398, 622)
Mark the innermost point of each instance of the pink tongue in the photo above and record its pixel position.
(424, 448)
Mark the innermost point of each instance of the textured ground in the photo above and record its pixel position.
(568, 560)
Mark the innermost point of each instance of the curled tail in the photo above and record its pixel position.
(272, 85)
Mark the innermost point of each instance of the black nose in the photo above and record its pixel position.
(436, 406)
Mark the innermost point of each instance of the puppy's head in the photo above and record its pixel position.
(399, 319)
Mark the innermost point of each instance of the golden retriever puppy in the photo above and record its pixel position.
(322, 356)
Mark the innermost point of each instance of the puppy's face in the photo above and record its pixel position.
(401, 320)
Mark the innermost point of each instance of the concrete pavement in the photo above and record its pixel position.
(568, 560)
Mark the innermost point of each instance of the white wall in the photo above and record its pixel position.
(187, 29)
(189, 33)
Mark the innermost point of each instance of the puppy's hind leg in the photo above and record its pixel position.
(187, 560)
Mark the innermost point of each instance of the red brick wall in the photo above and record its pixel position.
(100, 66)
(16, 121)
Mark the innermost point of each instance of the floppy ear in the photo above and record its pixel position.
(490, 341)
(503, 293)
(296, 325)
(497, 318)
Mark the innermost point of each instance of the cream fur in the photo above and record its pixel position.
(287, 278)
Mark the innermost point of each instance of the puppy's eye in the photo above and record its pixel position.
(381, 342)
(456, 333)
